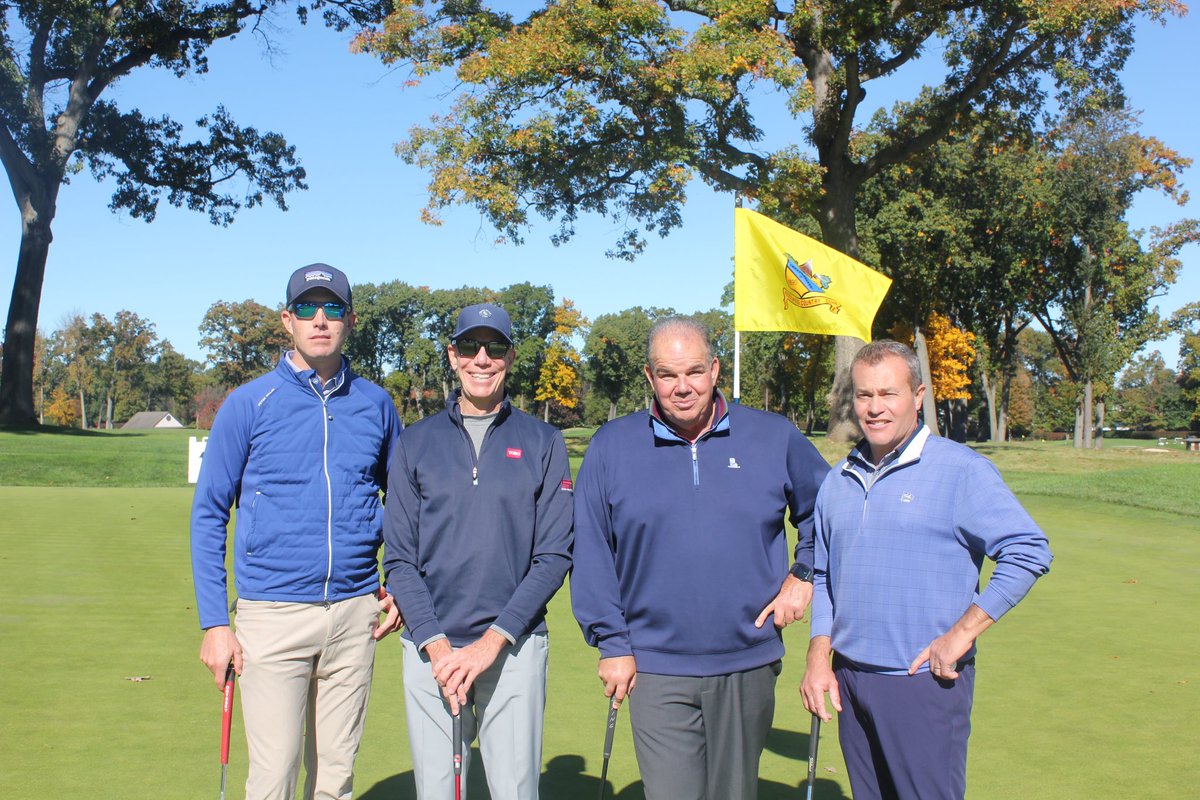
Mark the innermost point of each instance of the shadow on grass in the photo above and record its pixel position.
(56, 430)
(564, 779)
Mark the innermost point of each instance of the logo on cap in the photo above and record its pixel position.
(483, 312)
(318, 275)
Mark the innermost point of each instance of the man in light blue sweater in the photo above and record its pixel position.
(902, 528)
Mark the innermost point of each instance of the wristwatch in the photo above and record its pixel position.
(802, 572)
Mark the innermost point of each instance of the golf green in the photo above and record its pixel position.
(1088, 689)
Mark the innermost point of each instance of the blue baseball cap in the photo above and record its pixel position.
(319, 276)
(484, 315)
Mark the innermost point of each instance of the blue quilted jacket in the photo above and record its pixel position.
(306, 467)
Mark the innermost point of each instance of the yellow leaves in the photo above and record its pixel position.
(951, 354)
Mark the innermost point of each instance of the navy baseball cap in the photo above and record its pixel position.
(319, 276)
(484, 315)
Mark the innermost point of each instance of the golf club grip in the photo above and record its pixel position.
(457, 734)
(227, 714)
(814, 739)
(608, 733)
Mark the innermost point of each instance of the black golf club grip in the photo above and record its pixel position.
(814, 739)
(608, 742)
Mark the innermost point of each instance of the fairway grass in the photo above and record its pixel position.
(1088, 689)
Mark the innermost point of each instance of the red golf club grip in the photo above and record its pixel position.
(227, 714)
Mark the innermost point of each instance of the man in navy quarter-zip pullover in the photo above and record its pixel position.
(478, 539)
(681, 576)
(303, 453)
(903, 526)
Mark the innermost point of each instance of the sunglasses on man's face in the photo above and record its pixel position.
(309, 310)
(469, 348)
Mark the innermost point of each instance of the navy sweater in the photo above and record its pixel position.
(473, 543)
(679, 547)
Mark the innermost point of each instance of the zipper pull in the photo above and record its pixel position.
(474, 476)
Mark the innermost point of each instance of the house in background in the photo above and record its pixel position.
(151, 419)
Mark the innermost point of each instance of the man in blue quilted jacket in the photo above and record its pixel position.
(302, 452)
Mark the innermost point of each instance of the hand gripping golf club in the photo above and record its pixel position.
(226, 723)
(608, 739)
(814, 737)
(456, 732)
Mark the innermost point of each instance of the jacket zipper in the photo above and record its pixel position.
(328, 491)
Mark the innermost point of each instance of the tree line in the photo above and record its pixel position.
(97, 372)
(995, 197)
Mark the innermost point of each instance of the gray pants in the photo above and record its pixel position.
(505, 707)
(701, 738)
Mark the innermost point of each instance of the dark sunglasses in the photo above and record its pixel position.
(469, 348)
(309, 310)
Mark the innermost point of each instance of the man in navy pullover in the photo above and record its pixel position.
(681, 560)
(478, 535)
(302, 451)
(903, 526)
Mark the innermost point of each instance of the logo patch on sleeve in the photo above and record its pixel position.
(566, 485)
(513, 452)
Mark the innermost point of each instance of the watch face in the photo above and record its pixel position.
(802, 572)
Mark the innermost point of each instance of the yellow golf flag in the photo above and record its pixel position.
(786, 281)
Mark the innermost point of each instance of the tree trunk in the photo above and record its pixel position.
(993, 413)
(843, 427)
(1078, 435)
(20, 331)
(928, 405)
(1089, 413)
(956, 419)
(545, 412)
(1099, 425)
(612, 410)
(82, 410)
(836, 218)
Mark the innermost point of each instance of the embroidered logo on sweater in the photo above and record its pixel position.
(513, 452)
(566, 485)
(733, 463)
(906, 497)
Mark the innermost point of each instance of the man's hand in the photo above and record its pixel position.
(819, 679)
(456, 673)
(218, 648)
(619, 676)
(439, 651)
(789, 605)
(392, 620)
(944, 652)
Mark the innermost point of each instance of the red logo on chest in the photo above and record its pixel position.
(513, 452)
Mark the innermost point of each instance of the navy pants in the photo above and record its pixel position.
(905, 737)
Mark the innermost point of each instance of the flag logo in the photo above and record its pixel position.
(513, 452)
(805, 288)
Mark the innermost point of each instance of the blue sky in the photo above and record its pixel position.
(345, 112)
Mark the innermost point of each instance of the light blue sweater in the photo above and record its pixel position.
(898, 550)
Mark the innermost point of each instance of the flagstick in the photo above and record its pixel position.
(737, 366)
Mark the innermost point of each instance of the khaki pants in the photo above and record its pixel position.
(304, 687)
